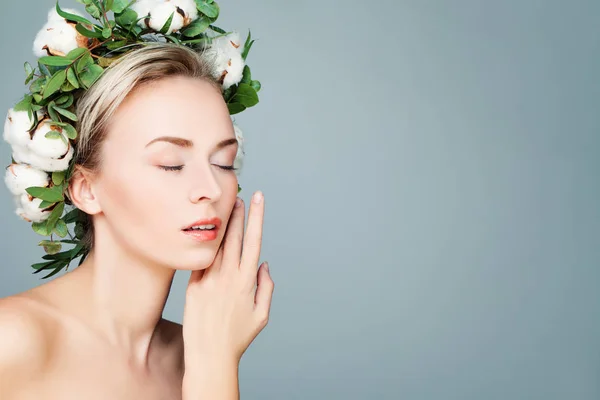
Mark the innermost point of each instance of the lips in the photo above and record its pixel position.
(211, 221)
(206, 234)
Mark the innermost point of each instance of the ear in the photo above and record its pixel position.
(81, 191)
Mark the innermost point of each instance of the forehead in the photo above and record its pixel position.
(176, 106)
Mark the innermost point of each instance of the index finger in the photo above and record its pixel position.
(253, 236)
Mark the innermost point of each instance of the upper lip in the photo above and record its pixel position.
(210, 221)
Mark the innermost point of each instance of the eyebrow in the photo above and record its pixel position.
(181, 142)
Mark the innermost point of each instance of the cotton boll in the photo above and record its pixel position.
(143, 7)
(189, 8)
(19, 177)
(16, 128)
(45, 147)
(234, 69)
(230, 42)
(23, 155)
(29, 209)
(58, 38)
(161, 13)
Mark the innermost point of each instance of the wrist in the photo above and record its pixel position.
(215, 379)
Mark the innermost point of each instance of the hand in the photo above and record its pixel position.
(223, 312)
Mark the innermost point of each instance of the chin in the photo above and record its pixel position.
(194, 260)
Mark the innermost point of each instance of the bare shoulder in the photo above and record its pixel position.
(24, 341)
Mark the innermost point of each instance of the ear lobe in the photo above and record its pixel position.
(81, 191)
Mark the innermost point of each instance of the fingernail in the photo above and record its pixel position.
(238, 202)
(257, 198)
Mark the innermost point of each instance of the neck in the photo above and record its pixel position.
(125, 296)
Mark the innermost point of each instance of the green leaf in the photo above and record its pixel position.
(70, 131)
(55, 83)
(71, 17)
(218, 30)
(50, 246)
(167, 24)
(53, 194)
(44, 70)
(93, 10)
(28, 68)
(40, 228)
(245, 95)
(90, 74)
(197, 27)
(67, 87)
(246, 75)
(255, 85)
(108, 5)
(79, 231)
(85, 61)
(56, 61)
(235, 108)
(126, 18)
(53, 115)
(45, 204)
(115, 45)
(106, 32)
(120, 5)
(247, 45)
(74, 215)
(56, 270)
(62, 99)
(66, 113)
(210, 9)
(88, 33)
(37, 85)
(55, 215)
(76, 53)
(58, 177)
(61, 228)
(25, 104)
(53, 135)
(38, 98)
(72, 78)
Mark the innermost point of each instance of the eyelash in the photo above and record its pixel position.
(180, 167)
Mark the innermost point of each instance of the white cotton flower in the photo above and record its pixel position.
(46, 147)
(230, 42)
(58, 37)
(29, 209)
(225, 53)
(161, 13)
(16, 128)
(143, 7)
(19, 177)
(235, 70)
(239, 157)
(189, 8)
(24, 155)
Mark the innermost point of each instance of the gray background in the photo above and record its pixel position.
(431, 176)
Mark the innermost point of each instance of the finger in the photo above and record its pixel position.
(264, 294)
(253, 237)
(232, 246)
(217, 263)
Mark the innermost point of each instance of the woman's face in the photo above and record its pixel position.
(163, 170)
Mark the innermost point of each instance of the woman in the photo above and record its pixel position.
(154, 175)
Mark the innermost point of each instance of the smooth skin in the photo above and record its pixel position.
(97, 332)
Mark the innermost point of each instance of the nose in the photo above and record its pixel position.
(205, 186)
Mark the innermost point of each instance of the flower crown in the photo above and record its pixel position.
(73, 53)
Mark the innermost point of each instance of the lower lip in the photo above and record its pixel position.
(202, 236)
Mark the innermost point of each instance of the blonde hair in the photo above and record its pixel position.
(96, 106)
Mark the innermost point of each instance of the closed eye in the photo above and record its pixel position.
(180, 167)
